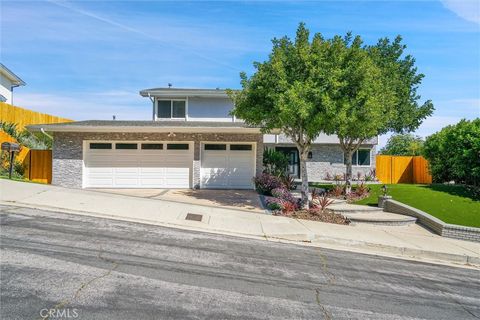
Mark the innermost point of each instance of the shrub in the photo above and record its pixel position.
(283, 194)
(338, 177)
(265, 183)
(337, 191)
(274, 203)
(453, 153)
(289, 206)
(361, 190)
(274, 162)
(359, 176)
(26, 138)
(324, 202)
(289, 182)
(18, 168)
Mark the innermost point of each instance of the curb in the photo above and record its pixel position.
(309, 239)
(405, 252)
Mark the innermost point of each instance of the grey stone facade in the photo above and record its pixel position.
(328, 158)
(68, 150)
(432, 223)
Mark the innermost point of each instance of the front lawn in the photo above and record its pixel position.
(450, 203)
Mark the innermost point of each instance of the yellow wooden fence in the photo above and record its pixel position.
(24, 117)
(39, 166)
(402, 169)
(38, 163)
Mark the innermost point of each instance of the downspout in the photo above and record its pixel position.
(11, 91)
(153, 104)
(43, 131)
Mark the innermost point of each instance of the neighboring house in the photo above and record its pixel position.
(8, 81)
(191, 142)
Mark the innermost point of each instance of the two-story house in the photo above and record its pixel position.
(192, 141)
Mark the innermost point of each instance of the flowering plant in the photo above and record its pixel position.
(265, 183)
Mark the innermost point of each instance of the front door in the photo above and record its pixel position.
(293, 160)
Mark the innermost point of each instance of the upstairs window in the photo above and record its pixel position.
(361, 157)
(171, 109)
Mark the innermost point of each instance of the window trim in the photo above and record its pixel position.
(240, 144)
(103, 143)
(178, 143)
(125, 144)
(356, 152)
(151, 143)
(171, 109)
(216, 144)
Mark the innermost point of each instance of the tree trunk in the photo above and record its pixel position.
(348, 175)
(303, 170)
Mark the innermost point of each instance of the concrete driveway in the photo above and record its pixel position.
(231, 199)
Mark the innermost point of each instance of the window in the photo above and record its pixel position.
(100, 146)
(361, 157)
(171, 109)
(215, 147)
(129, 146)
(164, 109)
(240, 147)
(177, 146)
(178, 109)
(152, 146)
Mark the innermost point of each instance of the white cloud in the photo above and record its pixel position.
(466, 9)
(125, 105)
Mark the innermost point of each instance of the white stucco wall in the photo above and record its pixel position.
(322, 139)
(208, 109)
(6, 89)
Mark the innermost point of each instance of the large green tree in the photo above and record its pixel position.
(374, 92)
(453, 153)
(337, 86)
(403, 145)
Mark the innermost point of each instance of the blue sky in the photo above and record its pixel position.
(88, 59)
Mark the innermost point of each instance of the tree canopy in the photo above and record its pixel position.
(338, 86)
(453, 153)
(403, 145)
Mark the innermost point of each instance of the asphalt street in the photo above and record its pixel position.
(78, 267)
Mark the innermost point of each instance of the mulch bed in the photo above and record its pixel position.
(316, 215)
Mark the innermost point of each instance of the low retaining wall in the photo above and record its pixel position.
(435, 224)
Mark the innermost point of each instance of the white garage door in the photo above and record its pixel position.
(137, 164)
(227, 166)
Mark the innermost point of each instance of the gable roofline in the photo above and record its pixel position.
(184, 92)
(11, 76)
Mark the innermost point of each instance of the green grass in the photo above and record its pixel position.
(453, 204)
(15, 178)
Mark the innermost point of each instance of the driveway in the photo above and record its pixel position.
(231, 199)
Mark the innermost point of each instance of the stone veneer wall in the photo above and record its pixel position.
(434, 224)
(68, 150)
(328, 158)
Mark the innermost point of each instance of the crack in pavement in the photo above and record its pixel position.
(330, 280)
(326, 314)
(448, 295)
(65, 302)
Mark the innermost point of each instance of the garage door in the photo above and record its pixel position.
(137, 164)
(227, 166)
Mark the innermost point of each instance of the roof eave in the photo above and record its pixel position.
(53, 128)
(14, 79)
(184, 93)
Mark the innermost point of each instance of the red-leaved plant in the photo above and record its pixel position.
(324, 202)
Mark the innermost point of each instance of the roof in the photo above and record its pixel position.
(11, 76)
(184, 92)
(145, 126)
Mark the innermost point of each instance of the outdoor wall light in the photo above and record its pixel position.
(310, 155)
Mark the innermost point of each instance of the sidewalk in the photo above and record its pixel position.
(410, 242)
